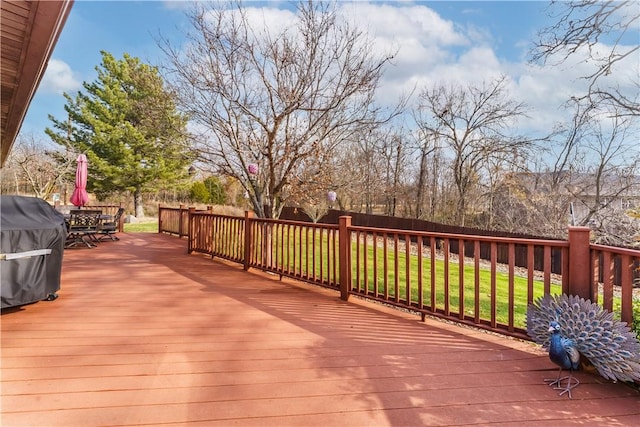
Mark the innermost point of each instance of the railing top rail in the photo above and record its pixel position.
(183, 209)
(299, 223)
(621, 251)
(205, 212)
(516, 240)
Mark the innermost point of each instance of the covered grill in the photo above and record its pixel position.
(32, 236)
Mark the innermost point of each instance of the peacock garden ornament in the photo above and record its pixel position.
(570, 327)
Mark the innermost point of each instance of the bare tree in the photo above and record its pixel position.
(599, 168)
(347, 177)
(280, 100)
(427, 150)
(393, 152)
(603, 33)
(472, 125)
(35, 169)
(587, 175)
(537, 198)
(498, 169)
(529, 202)
(611, 177)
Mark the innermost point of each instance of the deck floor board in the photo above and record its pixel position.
(145, 334)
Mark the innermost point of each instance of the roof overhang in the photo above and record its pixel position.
(29, 32)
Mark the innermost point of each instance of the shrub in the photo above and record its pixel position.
(199, 193)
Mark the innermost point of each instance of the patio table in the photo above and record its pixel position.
(82, 226)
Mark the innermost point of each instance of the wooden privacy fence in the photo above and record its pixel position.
(418, 270)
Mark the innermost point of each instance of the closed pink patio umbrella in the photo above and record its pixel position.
(80, 195)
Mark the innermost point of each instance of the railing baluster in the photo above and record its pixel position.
(396, 278)
(385, 238)
(627, 291)
(313, 256)
(365, 264)
(420, 301)
(512, 256)
(446, 277)
(375, 264)
(607, 281)
(407, 264)
(547, 270)
(460, 279)
(432, 255)
(530, 271)
(476, 265)
(321, 264)
(494, 256)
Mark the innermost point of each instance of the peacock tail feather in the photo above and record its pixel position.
(610, 345)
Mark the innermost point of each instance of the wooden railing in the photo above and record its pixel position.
(301, 250)
(614, 273)
(217, 235)
(420, 271)
(175, 220)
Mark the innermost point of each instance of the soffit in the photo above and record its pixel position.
(29, 31)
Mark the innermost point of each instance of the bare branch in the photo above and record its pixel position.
(472, 124)
(280, 99)
(582, 29)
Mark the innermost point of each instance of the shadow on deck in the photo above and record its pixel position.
(144, 334)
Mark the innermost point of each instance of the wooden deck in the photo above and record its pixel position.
(144, 334)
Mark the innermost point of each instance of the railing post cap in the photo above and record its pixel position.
(579, 228)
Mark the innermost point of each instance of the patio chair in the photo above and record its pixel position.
(108, 230)
(82, 228)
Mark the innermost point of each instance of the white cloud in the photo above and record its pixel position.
(275, 21)
(547, 88)
(59, 78)
(434, 51)
(263, 21)
(430, 50)
(401, 22)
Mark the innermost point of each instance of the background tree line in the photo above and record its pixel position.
(283, 117)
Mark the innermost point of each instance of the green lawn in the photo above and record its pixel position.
(141, 227)
(390, 287)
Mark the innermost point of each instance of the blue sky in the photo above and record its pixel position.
(463, 41)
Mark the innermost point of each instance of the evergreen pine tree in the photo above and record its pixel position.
(127, 124)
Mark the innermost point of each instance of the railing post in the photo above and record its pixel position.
(121, 220)
(189, 231)
(180, 209)
(579, 262)
(344, 254)
(248, 239)
(159, 218)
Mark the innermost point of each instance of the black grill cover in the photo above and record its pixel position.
(29, 224)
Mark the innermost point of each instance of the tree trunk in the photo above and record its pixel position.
(422, 176)
(137, 203)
